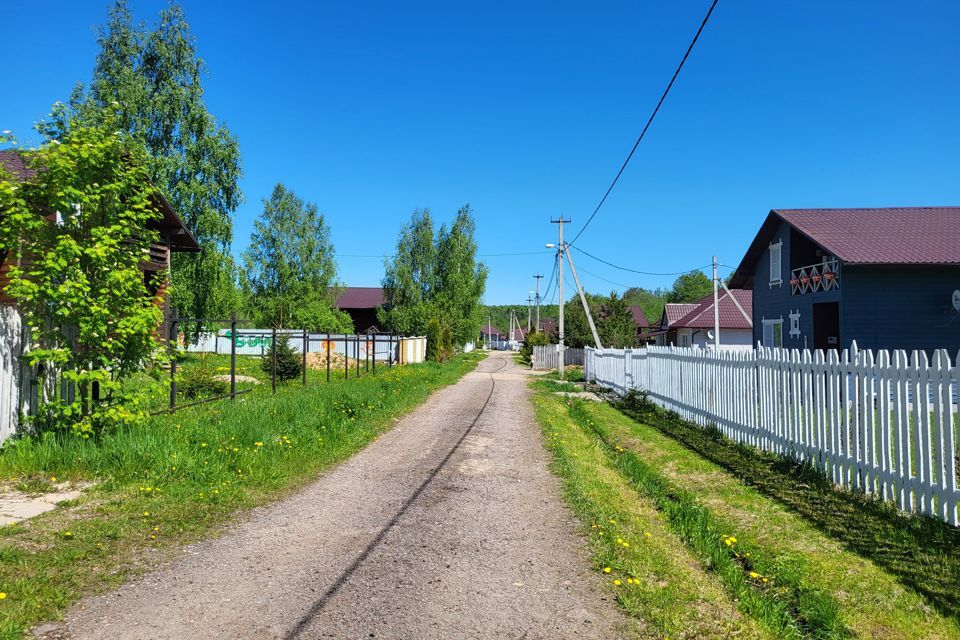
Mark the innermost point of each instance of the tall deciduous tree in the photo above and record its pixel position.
(460, 279)
(435, 277)
(151, 82)
(409, 281)
(290, 267)
(690, 287)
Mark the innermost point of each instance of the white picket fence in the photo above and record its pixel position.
(546, 357)
(885, 423)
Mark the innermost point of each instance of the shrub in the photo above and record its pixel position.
(532, 339)
(289, 365)
(201, 382)
(439, 340)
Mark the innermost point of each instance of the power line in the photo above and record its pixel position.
(649, 121)
(553, 274)
(619, 284)
(643, 273)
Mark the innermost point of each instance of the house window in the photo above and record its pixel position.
(685, 340)
(776, 264)
(773, 333)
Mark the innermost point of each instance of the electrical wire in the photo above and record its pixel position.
(553, 274)
(590, 273)
(649, 122)
(643, 273)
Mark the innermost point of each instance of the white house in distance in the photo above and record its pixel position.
(691, 325)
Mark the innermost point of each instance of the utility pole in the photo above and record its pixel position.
(529, 300)
(583, 299)
(560, 246)
(538, 276)
(488, 333)
(716, 308)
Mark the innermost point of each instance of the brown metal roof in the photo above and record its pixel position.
(901, 235)
(730, 317)
(673, 311)
(893, 235)
(361, 298)
(12, 160)
(639, 318)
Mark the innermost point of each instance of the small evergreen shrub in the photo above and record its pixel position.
(289, 362)
(201, 382)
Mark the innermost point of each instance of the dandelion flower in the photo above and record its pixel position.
(607, 569)
(617, 582)
(647, 534)
(146, 513)
(53, 478)
(3, 595)
(754, 574)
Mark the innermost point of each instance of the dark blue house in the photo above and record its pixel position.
(885, 278)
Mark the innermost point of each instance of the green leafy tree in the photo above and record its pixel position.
(435, 277)
(150, 82)
(611, 315)
(290, 273)
(690, 287)
(77, 279)
(459, 279)
(409, 281)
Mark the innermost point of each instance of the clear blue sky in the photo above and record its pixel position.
(525, 110)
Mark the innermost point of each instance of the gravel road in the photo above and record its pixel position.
(448, 526)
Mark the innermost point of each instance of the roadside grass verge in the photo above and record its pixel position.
(869, 558)
(654, 577)
(766, 588)
(177, 478)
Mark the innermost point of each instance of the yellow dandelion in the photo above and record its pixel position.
(626, 544)
(53, 478)
(3, 595)
(765, 580)
(146, 513)
(647, 534)
(617, 582)
(607, 569)
(754, 574)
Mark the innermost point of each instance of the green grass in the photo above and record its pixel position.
(894, 576)
(177, 478)
(155, 385)
(660, 583)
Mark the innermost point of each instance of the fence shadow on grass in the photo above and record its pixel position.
(922, 552)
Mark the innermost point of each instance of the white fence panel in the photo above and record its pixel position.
(11, 336)
(546, 357)
(885, 424)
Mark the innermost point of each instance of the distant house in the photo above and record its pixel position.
(642, 324)
(361, 304)
(885, 278)
(174, 237)
(491, 337)
(692, 324)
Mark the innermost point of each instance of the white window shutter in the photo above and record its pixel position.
(776, 266)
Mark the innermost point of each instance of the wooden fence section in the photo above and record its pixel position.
(546, 357)
(885, 423)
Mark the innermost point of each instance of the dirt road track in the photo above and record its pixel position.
(448, 526)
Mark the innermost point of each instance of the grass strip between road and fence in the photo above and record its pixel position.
(653, 575)
(179, 477)
(769, 589)
(899, 574)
